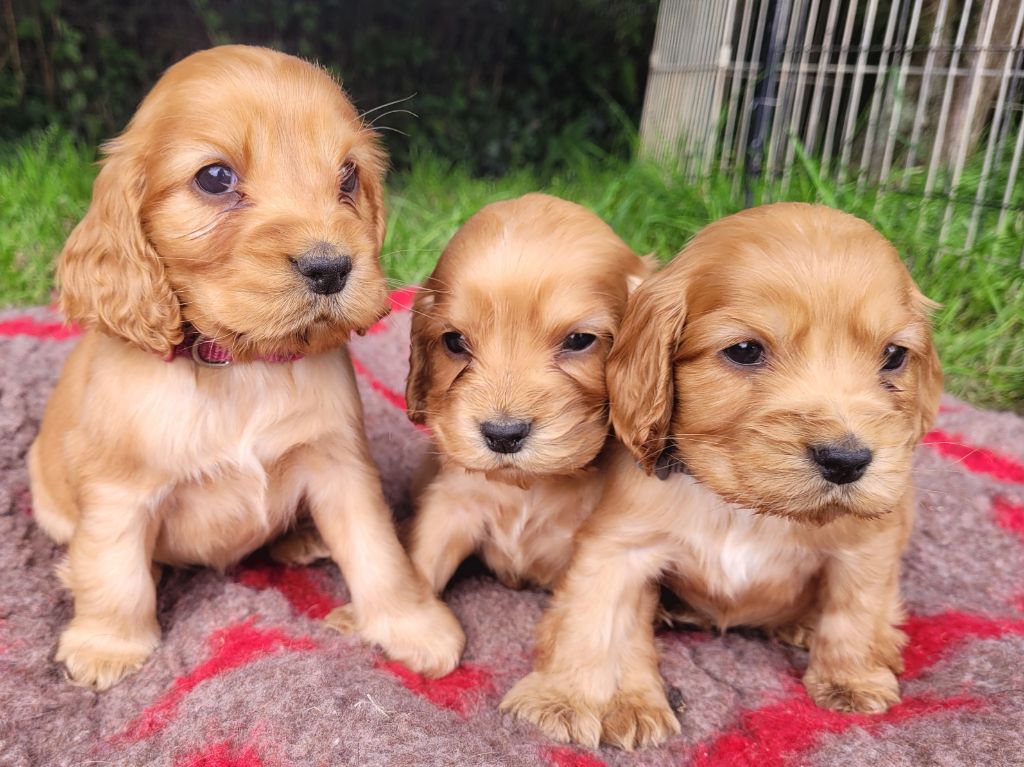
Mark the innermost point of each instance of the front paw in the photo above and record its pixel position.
(555, 708)
(426, 637)
(871, 691)
(98, 657)
(639, 719)
(631, 719)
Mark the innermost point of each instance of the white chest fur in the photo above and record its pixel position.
(227, 440)
(734, 564)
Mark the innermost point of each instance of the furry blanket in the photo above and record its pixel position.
(247, 675)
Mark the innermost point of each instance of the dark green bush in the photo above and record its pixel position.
(498, 84)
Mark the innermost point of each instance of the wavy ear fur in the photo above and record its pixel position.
(111, 278)
(640, 368)
(373, 166)
(929, 386)
(418, 383)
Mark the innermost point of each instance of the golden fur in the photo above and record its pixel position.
(141, 460)
(756, 535)
(516, 280)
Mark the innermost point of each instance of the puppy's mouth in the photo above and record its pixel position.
(842, 501)
(802, 496)
(314, 330)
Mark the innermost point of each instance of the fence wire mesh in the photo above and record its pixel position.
(923, 98)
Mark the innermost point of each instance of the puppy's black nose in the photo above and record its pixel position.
(324, 268)
(841, 462)
(505, 436)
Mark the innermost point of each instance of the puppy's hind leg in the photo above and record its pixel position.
(301, 546)
(56, 519)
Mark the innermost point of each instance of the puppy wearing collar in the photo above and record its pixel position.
(785, 359)
(230, 249)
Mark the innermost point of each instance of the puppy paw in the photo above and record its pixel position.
(639, 719)
(425, 637)
(302, 546)
(871, 691)
(555, 708)
(343, 619)
(795, 635)
(99, 658)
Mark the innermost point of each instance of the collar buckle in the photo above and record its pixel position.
(199, 359)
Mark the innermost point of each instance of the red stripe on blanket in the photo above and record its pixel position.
(567, 757)
(979, 460)
(402, 299)
(1009, 515)
(221, 755)
(780, 733)
(230, 648)
(378, 386)
(299, 585)
(390, 395)
(459, 691)
(28, 326)
(934, 637)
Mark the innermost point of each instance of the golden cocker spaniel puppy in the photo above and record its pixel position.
(772, 382)
(507, 367)
(230, 249)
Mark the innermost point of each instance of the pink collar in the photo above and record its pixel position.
(210, 354)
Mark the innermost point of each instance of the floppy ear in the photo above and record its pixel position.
(418, 383)
(372, 165)
(930, 378)
(373, 169)
(111, 278)
(640, 368)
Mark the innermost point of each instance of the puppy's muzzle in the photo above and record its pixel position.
(505, 436)
(326, 271)
(841, 462)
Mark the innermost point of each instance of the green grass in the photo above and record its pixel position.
(45, 182)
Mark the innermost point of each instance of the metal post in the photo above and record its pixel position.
(764, 98)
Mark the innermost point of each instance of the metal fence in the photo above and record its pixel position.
(916, 97)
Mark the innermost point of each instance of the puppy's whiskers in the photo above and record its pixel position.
(390, 112)
(386, 105)
(388, 128)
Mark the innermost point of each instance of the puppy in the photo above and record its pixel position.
(230, 248)
(509, 339)
(776, 376)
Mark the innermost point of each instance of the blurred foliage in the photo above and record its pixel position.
(498, 84)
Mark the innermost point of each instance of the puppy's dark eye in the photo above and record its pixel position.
(894, 358)
(747, 353)
(577, 342)
(217, 179)
(455, 342)
(349, 180)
